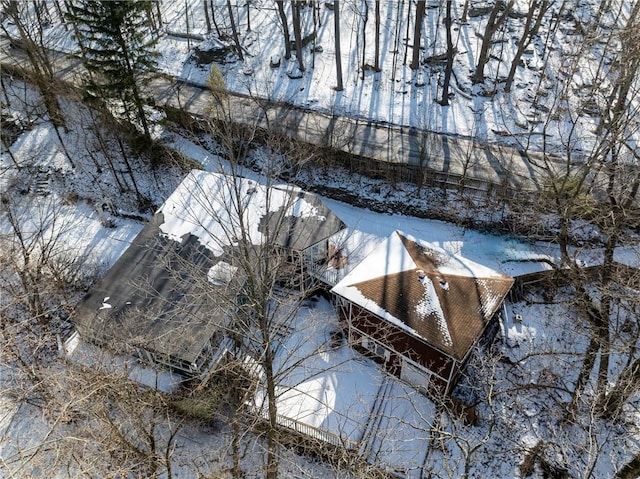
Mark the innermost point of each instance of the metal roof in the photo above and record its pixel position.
(170, 290)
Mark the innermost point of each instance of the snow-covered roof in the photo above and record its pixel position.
(156, 296)
(163, 293)
(220, 209)
(440, 297)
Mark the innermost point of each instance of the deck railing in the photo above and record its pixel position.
(323, 273)
(313, 432)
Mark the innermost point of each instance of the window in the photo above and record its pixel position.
(414, 375)
(376, 349)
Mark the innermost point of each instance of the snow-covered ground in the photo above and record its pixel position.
(560, 74)
(536, 360)
(338, 391)
(397, 94)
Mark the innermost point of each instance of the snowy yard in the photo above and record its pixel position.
(81, 203)
(338, 391)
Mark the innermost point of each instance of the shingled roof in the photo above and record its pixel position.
(445, 299)
(157, 296)
(164, 292)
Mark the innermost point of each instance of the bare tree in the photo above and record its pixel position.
(365, 20)
(417, 33)
(376, 40)
(297, 32)
(596, 186)
(205, 6)
(619, 182)
(234, 30)
(41, 71)
(285, 29)
(336, 26)
(497, 17)
(450, 54)
(612, 400)
(264, 314)
(537, 10)
(33, 251)
(260, 313)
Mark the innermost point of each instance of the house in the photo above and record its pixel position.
(168, 297)
(418, 309)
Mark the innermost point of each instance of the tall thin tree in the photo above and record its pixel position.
(421, 6)
(376, 64)
(285, 28)
(336, 25)
(497, 17)
(297, 32)
(234, 30)
(444, 101)
(537, 9)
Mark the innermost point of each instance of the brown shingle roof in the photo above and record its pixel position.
(448, 310)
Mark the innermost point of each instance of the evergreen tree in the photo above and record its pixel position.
(117, 50)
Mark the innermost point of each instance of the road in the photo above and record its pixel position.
(442, 157)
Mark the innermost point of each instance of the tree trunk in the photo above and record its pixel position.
(585, 372)
(285, 29)
(365, 19)
(272, 434)
(234, 30)
(417, 33)
(336, 25)
(56, 5)
(187, 22)
(135, 90)
(465, 11)
(212, 9)
(396, 39)
(42, 71)
(297, 34)
(158, 12)
(528, 33)
(406, 34)
(315, 33)
(142, 202)
(605, 310)
(626, 386)
(376, 64)
(493, 24)
(206, 15)
(248, 16)
(151, 19)
(450, 54)
(106, 152)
